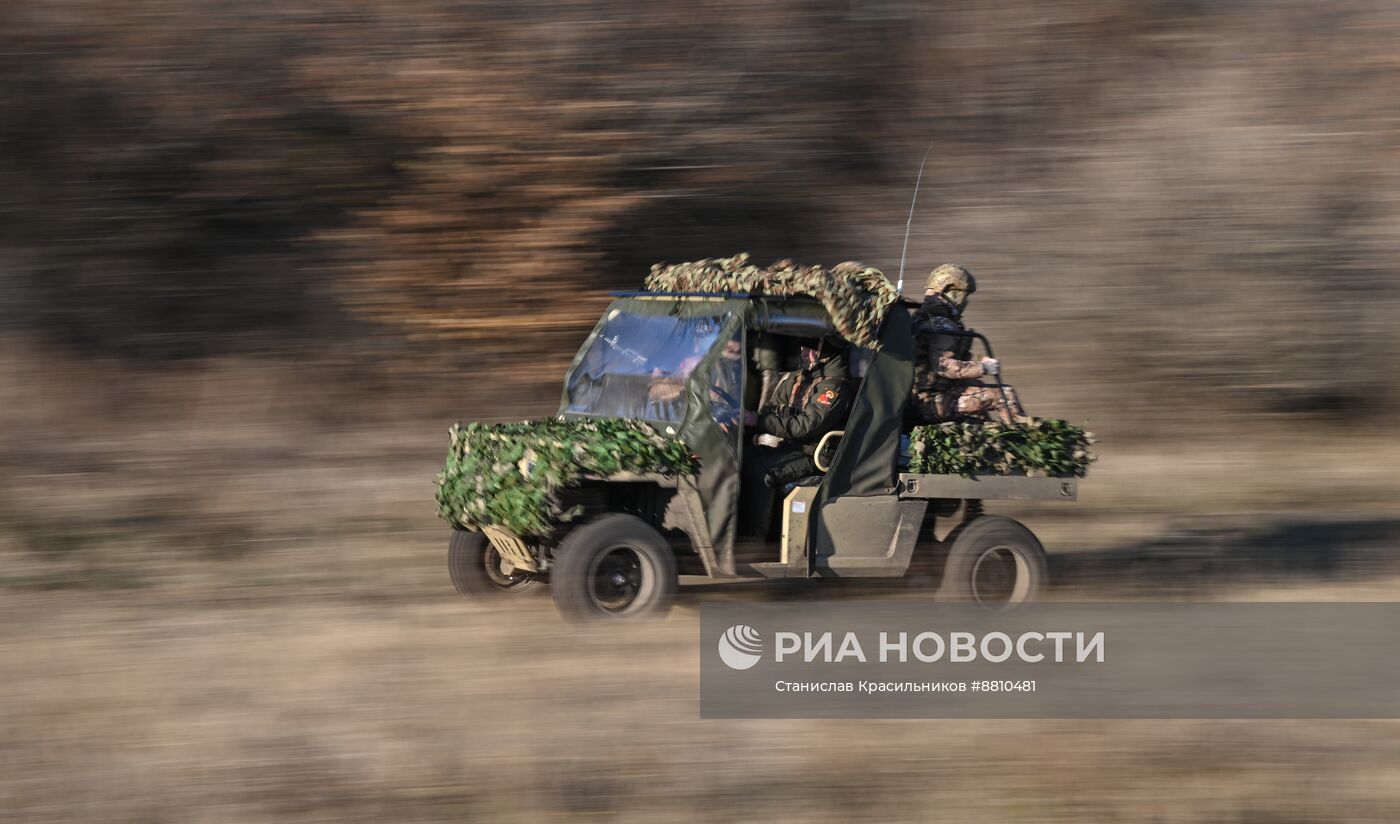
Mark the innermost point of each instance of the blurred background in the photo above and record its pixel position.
(256, 257)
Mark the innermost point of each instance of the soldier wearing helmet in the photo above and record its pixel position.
(946, 382)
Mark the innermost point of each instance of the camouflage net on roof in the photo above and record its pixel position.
(1036, 446)
(510, 475)
(855, 295)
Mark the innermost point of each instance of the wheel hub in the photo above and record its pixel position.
(617, 579)
(1000, 577)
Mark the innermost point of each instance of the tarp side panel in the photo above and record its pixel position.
(866, 460)
(718, 483)
(718, 480)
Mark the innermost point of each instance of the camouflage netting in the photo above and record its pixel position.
(510, 475)
(1038, 446)
(855, 295)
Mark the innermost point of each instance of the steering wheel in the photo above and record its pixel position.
(728, 414)
(727, 398)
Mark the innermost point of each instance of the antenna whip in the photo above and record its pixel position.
(910, 222)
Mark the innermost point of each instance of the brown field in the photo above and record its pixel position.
(216, 617)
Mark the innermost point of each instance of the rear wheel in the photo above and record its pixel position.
(615, 566)
(477, 569)
(996, 562)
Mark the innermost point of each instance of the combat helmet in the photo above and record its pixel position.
(953, 282)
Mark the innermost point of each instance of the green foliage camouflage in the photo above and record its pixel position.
(1036, 446)
(510, 475)
(855, 295)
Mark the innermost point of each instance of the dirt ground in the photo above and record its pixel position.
(248, 622)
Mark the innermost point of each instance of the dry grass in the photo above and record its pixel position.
(129, 709)
(224, 619)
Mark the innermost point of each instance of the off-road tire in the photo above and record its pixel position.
(469, 555)
(594, 556)
(1018, 573)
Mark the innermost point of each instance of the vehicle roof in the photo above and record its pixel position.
(713, 295)
(801, 315)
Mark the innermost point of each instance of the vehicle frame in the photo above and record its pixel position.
(863, 516)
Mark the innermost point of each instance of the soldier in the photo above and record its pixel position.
(806, 404)
(945, 379)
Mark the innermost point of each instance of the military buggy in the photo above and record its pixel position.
(632, 535)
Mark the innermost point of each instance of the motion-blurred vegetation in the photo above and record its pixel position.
(1198, 204)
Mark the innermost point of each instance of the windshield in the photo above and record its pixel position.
(638, 364)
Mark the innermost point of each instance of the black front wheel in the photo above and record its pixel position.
(478, 570)
(615, 566)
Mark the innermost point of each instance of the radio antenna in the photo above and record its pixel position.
(899, 289)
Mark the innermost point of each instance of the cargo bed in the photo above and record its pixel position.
(988, 487)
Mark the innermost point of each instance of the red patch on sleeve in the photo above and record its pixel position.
(826, 397)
